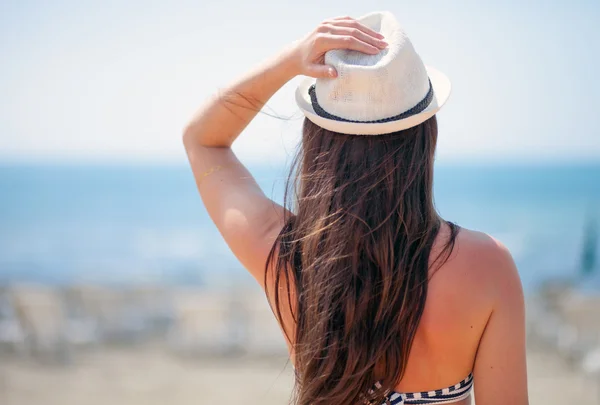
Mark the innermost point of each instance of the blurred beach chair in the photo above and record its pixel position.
(264, 337)
(112, 312)
(582, 310)
(154, 306)
(582, 313)
(567, 317)
(12, 335)
(545, 322)
(41, 315)
(204, 323)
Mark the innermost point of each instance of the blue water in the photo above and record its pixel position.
(61, 224)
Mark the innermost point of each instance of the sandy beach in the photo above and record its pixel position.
(146, 346)
(150, 376)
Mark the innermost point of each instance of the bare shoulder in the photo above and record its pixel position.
(481, 248)
(500, 359)
(479, 281)
(488, 266)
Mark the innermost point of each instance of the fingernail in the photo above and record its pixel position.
(332, 72)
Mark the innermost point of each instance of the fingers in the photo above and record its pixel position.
(339, 33)
(321, 71)
(328, 42)
(352, 23)
(358, 34)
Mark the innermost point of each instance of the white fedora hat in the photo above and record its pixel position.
(375, 94)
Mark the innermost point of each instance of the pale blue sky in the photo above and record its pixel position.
(117, 80)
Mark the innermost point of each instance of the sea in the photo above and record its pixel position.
(127, 224)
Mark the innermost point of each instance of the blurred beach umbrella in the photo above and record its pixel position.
(590, 248)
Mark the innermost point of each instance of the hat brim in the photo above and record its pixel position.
(441, 91)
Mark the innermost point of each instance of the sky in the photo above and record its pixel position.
(116, 81)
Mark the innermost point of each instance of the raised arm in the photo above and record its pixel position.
(245, 217)
(500, 373)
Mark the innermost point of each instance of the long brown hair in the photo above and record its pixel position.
(354, 258)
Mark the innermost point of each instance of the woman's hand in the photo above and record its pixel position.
(307, 55)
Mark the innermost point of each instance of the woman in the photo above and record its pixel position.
(380, 300)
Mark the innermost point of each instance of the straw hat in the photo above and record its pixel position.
(375, 94)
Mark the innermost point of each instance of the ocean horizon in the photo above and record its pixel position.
(124, 224)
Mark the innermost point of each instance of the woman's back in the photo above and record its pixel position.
(451, 344)
(477, 281)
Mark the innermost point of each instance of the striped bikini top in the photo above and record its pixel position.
(447, 395)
